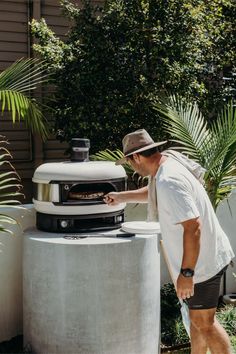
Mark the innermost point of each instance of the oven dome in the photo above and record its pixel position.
(78, 171)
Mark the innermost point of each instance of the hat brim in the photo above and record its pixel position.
(148, 147)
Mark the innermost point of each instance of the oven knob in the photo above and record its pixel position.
(66, 187)
(64, 223)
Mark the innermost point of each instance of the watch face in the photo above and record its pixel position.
(187, 272)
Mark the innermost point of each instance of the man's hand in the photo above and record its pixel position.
(184, 287)
(113, 198)
(135, 196)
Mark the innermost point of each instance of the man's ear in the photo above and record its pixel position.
(136, 158)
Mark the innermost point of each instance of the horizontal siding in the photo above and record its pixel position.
(16, 135)
(22, 2)
(12, 37)
(54, 155)
(54, 144)
(19, 155)
(12, 56)
(12, 6)
(14, 22)
(20, 143)
(13, 31)
(7, 126)
(24, 169)
(13, 16)
(54, 150)
(13, 46)
(16, 27)
(60, 31)
(19, 138)
(54, 20)
(50, 10)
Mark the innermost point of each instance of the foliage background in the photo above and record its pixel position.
(119, 57)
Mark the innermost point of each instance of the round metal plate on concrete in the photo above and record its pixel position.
(141, 227)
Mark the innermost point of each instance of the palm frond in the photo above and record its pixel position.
(9, 190)
(6, 180)
(214, 147)
(223, 150)
(108, 155)
(185, 124)
(24, 108)
(224, 131)
(10, 202)
(16, 83)
(23, 75)
(6, 219)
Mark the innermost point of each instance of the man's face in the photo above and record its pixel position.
(139, 164)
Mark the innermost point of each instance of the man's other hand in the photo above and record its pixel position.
(184, 287)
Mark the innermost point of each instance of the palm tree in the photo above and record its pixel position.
(213, 146)
(16, 83)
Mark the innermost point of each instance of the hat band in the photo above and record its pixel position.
(137, 148)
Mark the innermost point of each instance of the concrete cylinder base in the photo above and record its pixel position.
(11, 317)
(98, 295)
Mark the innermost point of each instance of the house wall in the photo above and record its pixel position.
(15, 44)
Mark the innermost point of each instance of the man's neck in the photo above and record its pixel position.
(156, 161)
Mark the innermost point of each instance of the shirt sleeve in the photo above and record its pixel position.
(178, 201)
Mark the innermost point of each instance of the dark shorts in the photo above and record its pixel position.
(206, 293)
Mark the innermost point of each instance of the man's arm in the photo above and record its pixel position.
(191, 249)
(136, 196)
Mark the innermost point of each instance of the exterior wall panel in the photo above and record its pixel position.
(14, 44)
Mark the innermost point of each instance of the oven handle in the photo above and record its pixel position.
(46, 192)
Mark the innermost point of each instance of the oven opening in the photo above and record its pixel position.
(84, 193)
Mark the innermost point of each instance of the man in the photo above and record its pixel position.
(197, 248)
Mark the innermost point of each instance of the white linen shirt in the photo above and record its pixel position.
(181, 197)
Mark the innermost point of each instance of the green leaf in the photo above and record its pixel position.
(16, 82)
(214, 147)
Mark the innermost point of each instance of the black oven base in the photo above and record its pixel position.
(79, 223)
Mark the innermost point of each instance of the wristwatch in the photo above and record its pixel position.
(187, 272)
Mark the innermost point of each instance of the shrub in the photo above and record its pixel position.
(172, 328)
(118, 57)
(227, 317)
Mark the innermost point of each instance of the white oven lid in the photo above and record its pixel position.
(78, 171)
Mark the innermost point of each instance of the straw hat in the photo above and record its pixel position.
(136, 142)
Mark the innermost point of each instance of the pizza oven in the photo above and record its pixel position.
(68, 196)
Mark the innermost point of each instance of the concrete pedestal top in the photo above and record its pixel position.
(98, 294)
